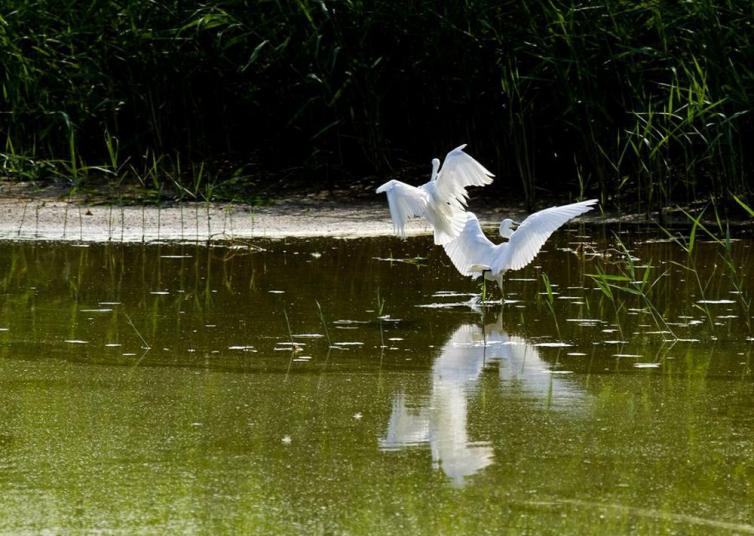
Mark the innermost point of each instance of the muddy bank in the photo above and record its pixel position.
(45, 219)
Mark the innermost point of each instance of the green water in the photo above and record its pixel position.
(154, 389)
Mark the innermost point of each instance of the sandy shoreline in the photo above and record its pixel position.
(45, 219)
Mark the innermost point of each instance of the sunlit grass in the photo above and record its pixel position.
(645, 105)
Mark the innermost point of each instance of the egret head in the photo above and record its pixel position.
(506, 227)
(435, 167)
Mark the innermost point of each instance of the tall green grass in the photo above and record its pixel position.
(644, 103)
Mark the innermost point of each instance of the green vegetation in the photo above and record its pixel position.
(550, 301)
(645, 103)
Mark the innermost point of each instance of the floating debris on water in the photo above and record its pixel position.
(160, 292)
(635, 356)
(103, 310)
(445, 305)
(657, 241)
(243, 348)
(711, 302)
(276, 292)
(553, 344)
(586, 321)
(451, 294)
(307, 335)
(408, 260)
(348, 343)
(75, 341)
(646, 365)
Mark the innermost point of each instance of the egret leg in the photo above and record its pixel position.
(484, 286)
(500, 284)
(484, 341)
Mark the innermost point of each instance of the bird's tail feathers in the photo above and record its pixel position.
(448, 222)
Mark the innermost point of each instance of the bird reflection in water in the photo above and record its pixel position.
(442, 421)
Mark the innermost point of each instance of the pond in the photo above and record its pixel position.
(357, 386)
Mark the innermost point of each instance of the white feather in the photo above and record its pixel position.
(459, 171)
(531, 235)
(442, 200)
(473, 254)
(405, 202)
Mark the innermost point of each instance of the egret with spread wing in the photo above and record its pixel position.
(442, 201)
(473, 254)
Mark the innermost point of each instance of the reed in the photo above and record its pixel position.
(324, 323)
(550, 301)
(380, 304)
(645, 104)
(629, 282)
(717, 231)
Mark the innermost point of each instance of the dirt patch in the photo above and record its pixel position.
(29, 213)
(49, 219)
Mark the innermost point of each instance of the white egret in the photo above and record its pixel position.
(473, 254)
(442, 201)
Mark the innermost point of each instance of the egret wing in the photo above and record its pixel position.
(447, 218)
(459, 171)
(531, 235)
(471, 251)
(405, 202)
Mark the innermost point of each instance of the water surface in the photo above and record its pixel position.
(349, 386)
